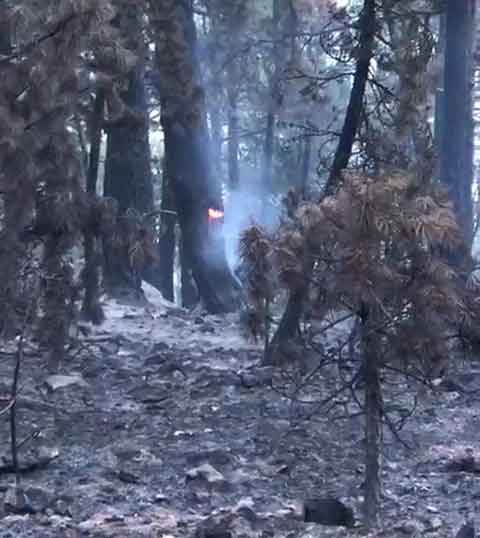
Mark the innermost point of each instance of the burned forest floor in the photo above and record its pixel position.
(164, 423)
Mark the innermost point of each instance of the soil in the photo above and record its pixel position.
(164, 423)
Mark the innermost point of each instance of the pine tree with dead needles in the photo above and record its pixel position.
(41, 180)
(255, 255)
(381, 249)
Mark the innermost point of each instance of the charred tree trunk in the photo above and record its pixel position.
(166, 245)
(228, 21)
(188, 288)
(16, 212)
(373, 423)
(456, 156)
(288, 327)
(215, 141)
(16, 216)
(91, 307)
(357, 95)
(306, 158)
(58, 301)
(284, 20)
(186, 152)
(440, 91)
(128, 175)
(95, 141)
(233, 124)
(275, 98)
(268, 151)
(214, 95)
(57, 223)
(207, 259)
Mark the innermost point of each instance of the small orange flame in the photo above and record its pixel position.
(215, 213)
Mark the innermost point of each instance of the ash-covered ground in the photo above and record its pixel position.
(165, 424)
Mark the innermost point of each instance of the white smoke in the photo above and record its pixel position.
(244, 206)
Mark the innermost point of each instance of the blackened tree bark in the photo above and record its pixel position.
(289, 324)
(232, 17)
(456, 156)
(215, 137)
(128, 175)
(15, 215)
(186, 151)
(306, 158)
(439, 91)
(373, 421)
(233, 124)
(268, 151)
(357, 95)
(189, 291)
(91, 307)
(95, 141)
(214, 91)
(280, 20)
(166, 245)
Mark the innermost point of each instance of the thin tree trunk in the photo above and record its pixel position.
(91, 307)
(186, 151)
(268, 152)
(456, 150)
(288, 328)
(214, 97)
(233, 125)
(373, 424)
(163, 277)
(268, 147)
(357, 95)
(95, 141)
(189, 291)
(216, 140)
(289, 324)
(306, 158)
(15, 215)
(236, 19)
(440, 90)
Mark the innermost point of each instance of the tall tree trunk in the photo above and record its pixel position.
(273, 102)
(440, 90)
(91, 307)
(357, 95)
(186, 151)
(268, 152)
(214, 94)
(216, 140)
(306, 158)
(58, 308)
(229, 20)
(456, 155)
(95, 141)
(15, 215)
(163, 277)
(288, 327)
(128, 175)
(233, 124)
